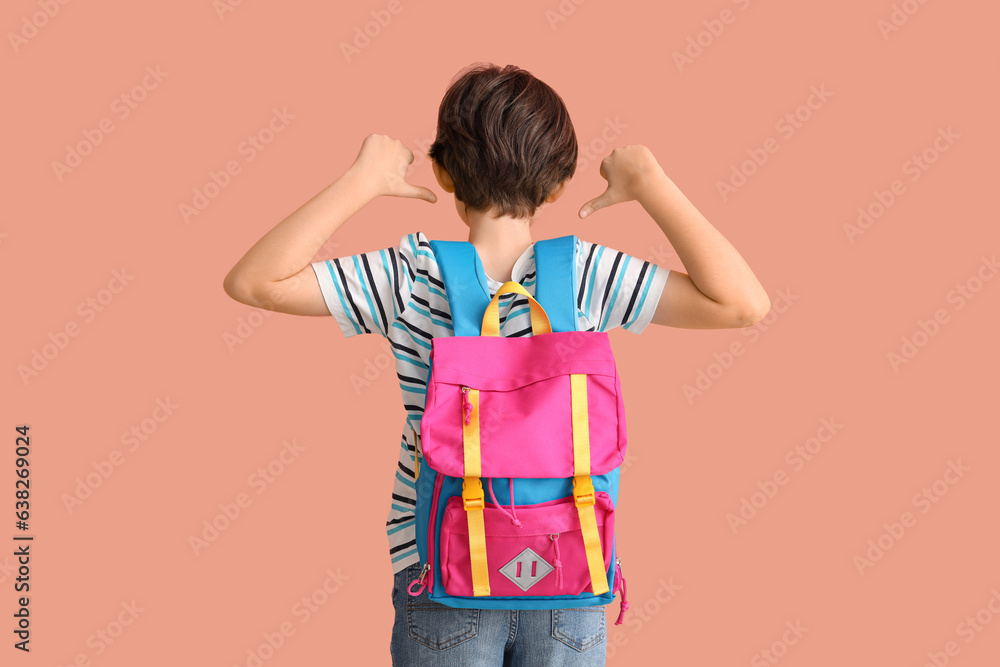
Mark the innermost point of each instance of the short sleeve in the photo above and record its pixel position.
(367, 292)
(616, 289)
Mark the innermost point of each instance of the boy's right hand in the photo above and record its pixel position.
(627, 170)
(382, 163)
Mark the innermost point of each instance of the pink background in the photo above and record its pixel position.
(700, 592)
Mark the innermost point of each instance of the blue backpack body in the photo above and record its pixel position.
(467, 291)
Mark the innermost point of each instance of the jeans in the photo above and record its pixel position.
(432, 634)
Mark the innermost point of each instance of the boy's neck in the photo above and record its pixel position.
(500, 243)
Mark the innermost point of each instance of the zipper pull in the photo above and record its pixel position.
(556, 561)
(466, 405)
(419, 580)
(620, 587)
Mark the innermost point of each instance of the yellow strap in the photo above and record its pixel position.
(477, 535)
(491, 318)
(581, 425)
(583, 486)
(470, 434)
(472, 497)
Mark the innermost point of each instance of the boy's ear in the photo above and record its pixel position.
(443, 177)
(555, 194)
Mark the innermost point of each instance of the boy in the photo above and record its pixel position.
(506, 148)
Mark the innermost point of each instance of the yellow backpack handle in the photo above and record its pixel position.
(491, 319)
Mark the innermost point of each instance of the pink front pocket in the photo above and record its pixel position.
(544, 556)
(525, 412)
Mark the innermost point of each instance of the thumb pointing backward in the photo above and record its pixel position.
(420, 192)
(596, 203)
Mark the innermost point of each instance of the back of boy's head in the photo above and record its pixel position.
(505, 138)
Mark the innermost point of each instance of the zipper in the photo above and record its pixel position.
(556, 561)
(466, 405)
(419, 580)
(426, 578)
(430, 531)
(620, 588)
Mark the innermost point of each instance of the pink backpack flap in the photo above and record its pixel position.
(524, 399)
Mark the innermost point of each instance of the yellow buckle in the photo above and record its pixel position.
(583, 491)
(472, 493)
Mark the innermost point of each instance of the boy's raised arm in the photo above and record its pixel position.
(275, 274)
(719, 291)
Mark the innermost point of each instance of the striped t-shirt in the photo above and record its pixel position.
(398, 293)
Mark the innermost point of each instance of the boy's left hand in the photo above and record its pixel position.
(382, 162)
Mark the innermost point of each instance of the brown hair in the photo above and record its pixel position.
(505, 138)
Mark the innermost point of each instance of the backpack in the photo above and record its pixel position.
(546, 449)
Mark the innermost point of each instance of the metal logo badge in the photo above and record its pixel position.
(526, 569)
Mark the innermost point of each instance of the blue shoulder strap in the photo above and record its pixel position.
(468, 292)
(465, 284)
(555, 273)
